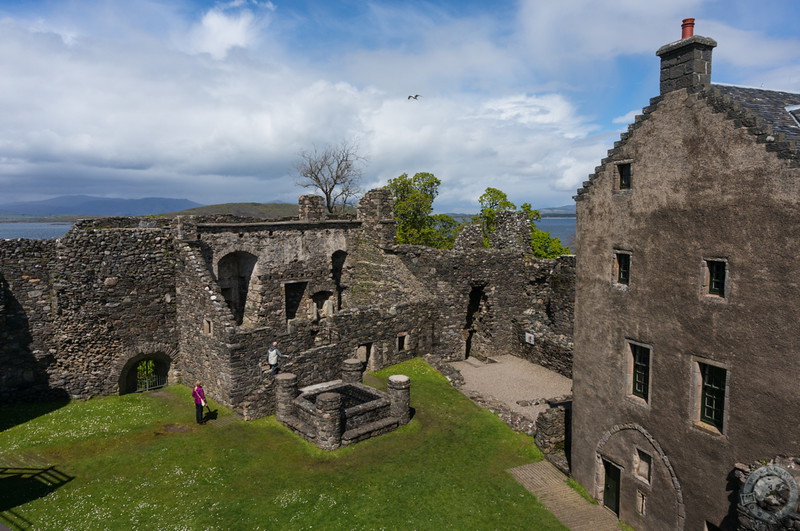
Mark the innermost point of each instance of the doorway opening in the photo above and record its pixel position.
(233, 273)
(611, 486)
(477, 298)
(294, 292)
(144, 373)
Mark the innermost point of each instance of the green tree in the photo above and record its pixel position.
(413, 204)
(493, 200)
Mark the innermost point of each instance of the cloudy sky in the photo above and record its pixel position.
(213, 101)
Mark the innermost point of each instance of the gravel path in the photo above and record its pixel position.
(522, 386)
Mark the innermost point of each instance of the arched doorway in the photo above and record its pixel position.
(233, 274)
(144, 372)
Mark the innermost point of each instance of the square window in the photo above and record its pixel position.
(712, 394)
(643, 463)
(717, 271)
(640, 377)
(624, 171)
(622, 268)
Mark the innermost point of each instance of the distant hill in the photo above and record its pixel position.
(566, 211)
(84, 205)
(248, 210)
(558, 212)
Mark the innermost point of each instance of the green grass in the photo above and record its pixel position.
(132, 470)
(581, 490)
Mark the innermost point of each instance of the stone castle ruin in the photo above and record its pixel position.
(201, 298)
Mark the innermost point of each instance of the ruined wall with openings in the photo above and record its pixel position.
(80, 308)
(489, 299)
(205, 297)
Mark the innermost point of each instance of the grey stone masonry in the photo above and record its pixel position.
(768, 495)
(329, 421)
(312, 208)
(470, 237)
(203, 298)
(352, 371)
(686, 63)
(400, 397)
(512, 231)
(286, 391)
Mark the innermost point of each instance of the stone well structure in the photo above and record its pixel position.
(342, 412)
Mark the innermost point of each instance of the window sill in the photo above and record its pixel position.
(708, 428)
(641, 402)
(713, 299)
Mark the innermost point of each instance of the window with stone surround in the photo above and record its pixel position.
(208, 327)
(715, 276)
(624, 176)
(642, 465)
(641, 502)
(713, 386)
(639, 371)
(622, 267)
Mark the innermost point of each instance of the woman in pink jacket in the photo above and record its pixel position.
(199, 401)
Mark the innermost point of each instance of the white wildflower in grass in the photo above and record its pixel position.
(96, 419)
(325, 501)
(290, 497)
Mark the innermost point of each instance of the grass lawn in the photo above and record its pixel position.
(140, 462)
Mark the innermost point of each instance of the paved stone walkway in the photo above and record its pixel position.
(523, 387)
(550, 487)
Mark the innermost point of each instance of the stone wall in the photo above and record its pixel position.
(80, 308)
(26, 330)
(488, 299)
(204, 297)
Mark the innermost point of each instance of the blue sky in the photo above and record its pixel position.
(213, 101)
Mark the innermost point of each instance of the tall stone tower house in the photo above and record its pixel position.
(687, 359)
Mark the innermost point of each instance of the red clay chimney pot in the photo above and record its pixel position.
(687, 28)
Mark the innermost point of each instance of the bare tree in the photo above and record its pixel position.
(334, 170)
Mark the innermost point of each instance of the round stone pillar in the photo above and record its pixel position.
(352, 370)
(400, 397)
(329, 421)
(285, 393)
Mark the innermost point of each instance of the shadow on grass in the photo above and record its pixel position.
(211, 415)
(21, 485)
(22, 413)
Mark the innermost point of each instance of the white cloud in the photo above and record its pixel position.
(627, 117)
(112, 100)
(218, 32)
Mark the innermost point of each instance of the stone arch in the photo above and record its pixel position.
(124, 370)
(681, 512)
(234, 271)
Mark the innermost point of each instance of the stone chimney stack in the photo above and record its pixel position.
(686, 63)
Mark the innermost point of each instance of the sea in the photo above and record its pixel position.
(33, 231)
(561, 228)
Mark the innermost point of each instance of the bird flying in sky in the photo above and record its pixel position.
(415, 96)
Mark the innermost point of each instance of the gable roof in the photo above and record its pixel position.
(781, 110)
(771, 116)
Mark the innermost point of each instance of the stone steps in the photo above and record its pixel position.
(356, 434)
